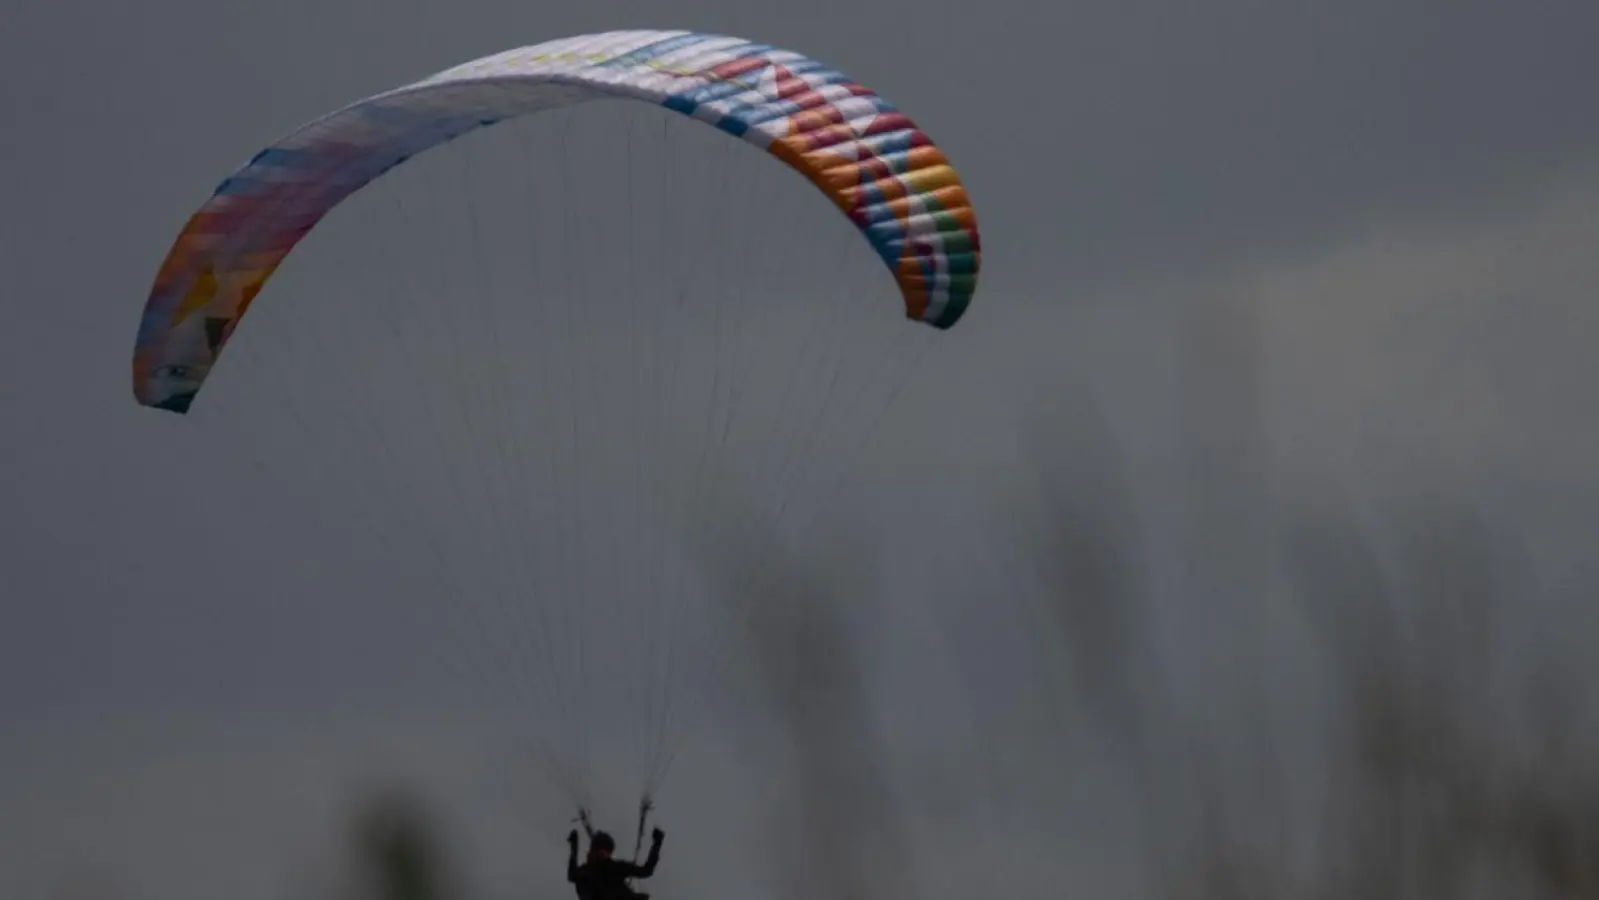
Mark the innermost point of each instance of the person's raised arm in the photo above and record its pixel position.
(637, 871)
(571, 856)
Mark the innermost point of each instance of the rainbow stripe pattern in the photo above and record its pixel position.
(869, 158)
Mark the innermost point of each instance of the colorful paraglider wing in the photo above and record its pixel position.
(879, 169)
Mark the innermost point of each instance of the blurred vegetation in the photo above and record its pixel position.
(1459, 756)
(1455, 768)
(397, 852)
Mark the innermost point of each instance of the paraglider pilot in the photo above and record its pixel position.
(602, 878)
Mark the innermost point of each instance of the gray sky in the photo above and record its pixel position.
(1242, 262)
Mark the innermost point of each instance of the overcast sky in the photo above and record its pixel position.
(1242, 259)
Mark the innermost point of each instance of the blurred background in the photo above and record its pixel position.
(1237, 543)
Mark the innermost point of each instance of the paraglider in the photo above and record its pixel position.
(875, 165)
(601, 876)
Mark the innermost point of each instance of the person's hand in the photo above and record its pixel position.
(571, 837)
(657, 835)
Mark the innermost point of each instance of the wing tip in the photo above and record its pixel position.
(174, 403)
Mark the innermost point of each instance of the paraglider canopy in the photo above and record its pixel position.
(868, 157)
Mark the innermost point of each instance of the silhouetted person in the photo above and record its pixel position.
(603, 878)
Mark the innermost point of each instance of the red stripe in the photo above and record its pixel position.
(733, 68)
(888, 122)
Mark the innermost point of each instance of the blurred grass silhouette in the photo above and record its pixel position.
(1457, 756)
(397, 851)
(1453, 767)
(1452, 771)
